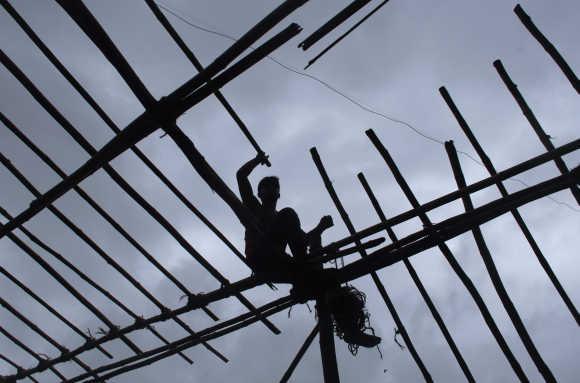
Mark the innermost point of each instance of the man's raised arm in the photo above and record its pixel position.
(242, 175)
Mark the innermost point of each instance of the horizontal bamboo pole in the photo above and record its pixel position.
(494, 273)
(449, 197)
(333, 23)
(548, 46)
(515, 213)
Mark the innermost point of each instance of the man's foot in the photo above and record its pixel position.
(362, 339)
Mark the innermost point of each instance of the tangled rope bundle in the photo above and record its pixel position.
(347, 305)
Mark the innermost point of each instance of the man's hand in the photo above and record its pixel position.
(262, 159)
(325, 223)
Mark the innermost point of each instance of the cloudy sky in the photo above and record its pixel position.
(392, 65)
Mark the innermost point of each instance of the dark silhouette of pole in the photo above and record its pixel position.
(527, 111)
(451, 260)
(494, 274)
(380, 287)
(16, 366)
(326, 339)
(418, 283)
(548, 47)
(518, 218)
(299, 355)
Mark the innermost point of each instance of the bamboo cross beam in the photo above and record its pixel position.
(331, 24)
(154, 213)
(326, 339)
(376, 280)
(50, 309)
(461, 274)
(109, 122)
(31, 325)
(213, 332)
(329, 47)
(16, 366)
(497, 282)
(41, 361)
(415, 277)
(299, 354)
(527, 111)
(452, 196)
(91, 342)
(151, 120)
(548, 47)
(515, 213)
(189, 54)
(101, 252)
(64, 283)
(452, 227)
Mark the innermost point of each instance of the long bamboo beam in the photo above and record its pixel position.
(50, 309)
(452, 196)
(548, 47)
(165, 110)
(326, 339)
(515, 213)
(60, 258)
(331, 24)
(422, 290)
(299, 355)
(31, 325)
(461, 274)
(339, 39)
(376, 280)
(497, 282)
(535, 124)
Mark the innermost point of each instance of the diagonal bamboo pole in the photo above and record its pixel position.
(31, 325)
(548, 46)
(91, 342)
(474, 293)
(16, 366)
(299, 355)
(452, 196)
(518, 218)
(494, 274)
(331, 24)
(329, 47)
(422, 290)
(527, 112)
(50, 309)
(378, 283)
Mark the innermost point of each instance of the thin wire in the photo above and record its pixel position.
(348, 98)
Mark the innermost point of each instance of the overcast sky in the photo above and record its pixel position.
(393, 64)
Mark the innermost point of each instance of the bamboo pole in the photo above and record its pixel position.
(474, 293)
(109, 122)
(494, 274)
(548, 47)
(527, 112)
(380, 287)
(422, 290)
(326, 339)
(331, 24)
(189, 54)
(41, 361)
(449, 197)
(518, 218)
(31, 325)
(165, 110)
(299, 355)
(50, 309)
(329, 47)
(91, 342)
(16, 366)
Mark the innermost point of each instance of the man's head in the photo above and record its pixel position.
(269, 189)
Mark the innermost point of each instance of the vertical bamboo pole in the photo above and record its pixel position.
(494, 274)
(418, 283)
(327, 350)
(518, 218)
(383, 292)
(527, 111)
(452, 261)
(548, 46)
